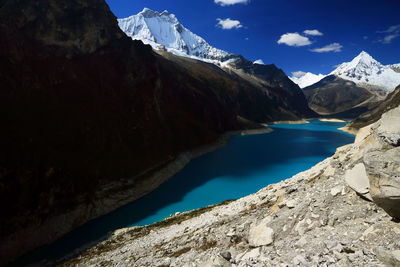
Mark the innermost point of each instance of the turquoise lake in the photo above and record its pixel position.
(247, 164)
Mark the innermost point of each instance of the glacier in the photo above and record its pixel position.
(164, 32)
(304, 79)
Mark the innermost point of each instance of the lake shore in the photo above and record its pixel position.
(349, 130)
(332, 120)
(345, 129)
(290, 122)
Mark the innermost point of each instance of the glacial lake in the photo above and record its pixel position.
(247, 164)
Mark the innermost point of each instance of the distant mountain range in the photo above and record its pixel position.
(351, 89)
(163, 31)
(363, 70)
(304, 79)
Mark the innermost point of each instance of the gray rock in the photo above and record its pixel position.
(389, 258)
(299, 260)
(252, 254)
(261, 235)
(389, 128)
(291, 203)
(336, 190)
(226, 255)
(383, 169)
(358, 180)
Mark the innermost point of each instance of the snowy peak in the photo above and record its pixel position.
(364, 69)
(163, 31)
(395, 67)
(304, 79)
(361, 64)
(365, 59)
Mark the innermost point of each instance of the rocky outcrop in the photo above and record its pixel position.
(384, 174)
(377, 175)
(391, 101)
(312, 219)
(358, 180)
(382, 161)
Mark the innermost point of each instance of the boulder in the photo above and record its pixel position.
(291, 203)
(226, 255)
(363, 133)
(252, 254)
(358, 180)
(383, 170)
(389, 258)
(261, 235)
(300, 260)
(336, 191)
(389, 128)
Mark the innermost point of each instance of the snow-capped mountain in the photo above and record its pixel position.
(364, 69)
(304, 79)
(163, 31)
(395, 67)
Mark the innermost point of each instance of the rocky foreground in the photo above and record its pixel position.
(335, 214)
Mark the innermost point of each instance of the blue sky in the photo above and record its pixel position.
(348, 27)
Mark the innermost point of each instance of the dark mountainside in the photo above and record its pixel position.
(333, 96)
(85, 110)
(271, 76)
(391, 101)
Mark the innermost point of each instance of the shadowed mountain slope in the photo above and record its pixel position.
(342, 98)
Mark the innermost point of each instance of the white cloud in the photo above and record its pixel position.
(230, 2)
(298, 74)
(389, 38)
(335, 47)
(259, 61)
(394, 28)
(294, 39)
(228, 24)
(313, 32)
(391, 33)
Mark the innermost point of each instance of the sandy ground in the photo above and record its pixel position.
(332, 120)
(348, 130)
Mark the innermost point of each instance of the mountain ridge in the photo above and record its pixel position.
(304, 79)
(334, 95)
(163, 31)
(363, 70)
